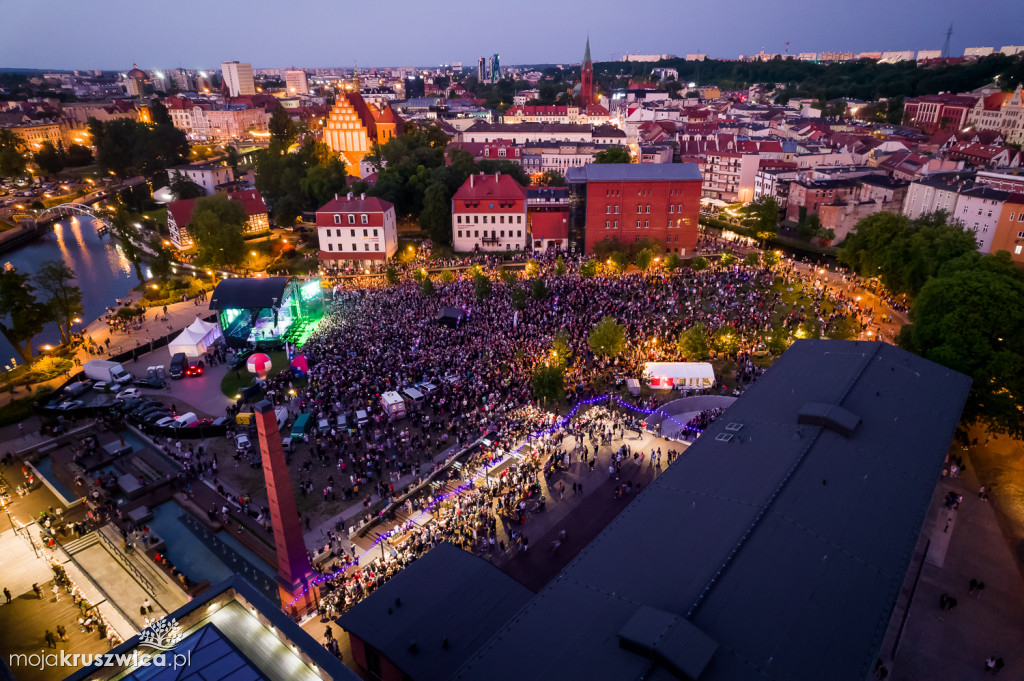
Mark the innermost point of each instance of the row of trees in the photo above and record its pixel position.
(15, 157)
(966, 312)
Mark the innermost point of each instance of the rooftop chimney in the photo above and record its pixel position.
(497, 175)
(363, 196)
(350, 196)
(471, 181)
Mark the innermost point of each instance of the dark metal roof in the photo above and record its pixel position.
(633, 172)
(450, 595)
(785, 544)
(248, 294)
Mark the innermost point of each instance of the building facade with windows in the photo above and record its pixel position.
(356, 230)
(237, 78)
(634, 203)
(1009, 234)
(979, 209)
(489, 214)
(179, 217)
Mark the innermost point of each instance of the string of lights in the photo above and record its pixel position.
(471, 483)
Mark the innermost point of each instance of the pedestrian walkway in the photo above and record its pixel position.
(952, 644)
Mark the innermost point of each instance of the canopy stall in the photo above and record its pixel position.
(668, 375)
(195, 338)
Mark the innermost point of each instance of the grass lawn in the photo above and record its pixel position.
(234, 381)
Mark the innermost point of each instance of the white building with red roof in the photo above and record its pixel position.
(593, 114)
(357, 231)
(489, 214)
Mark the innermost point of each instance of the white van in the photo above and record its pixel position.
(185, 419)
(413, 395)
(393, 404)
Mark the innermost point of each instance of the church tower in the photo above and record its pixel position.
(586, 79)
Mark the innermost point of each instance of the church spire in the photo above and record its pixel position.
(355, 77)
(586, 53)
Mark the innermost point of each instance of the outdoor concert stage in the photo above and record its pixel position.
(267, 312)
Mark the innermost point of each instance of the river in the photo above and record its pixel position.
(104, 273)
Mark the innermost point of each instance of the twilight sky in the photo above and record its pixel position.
(111, 34)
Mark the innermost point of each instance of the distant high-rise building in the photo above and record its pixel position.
(481, 70)
(238, 78)
(183, 80)
(295, 83)
(495, 68)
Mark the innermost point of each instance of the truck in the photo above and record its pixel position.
(104, 370)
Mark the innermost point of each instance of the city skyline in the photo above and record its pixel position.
(535, 33)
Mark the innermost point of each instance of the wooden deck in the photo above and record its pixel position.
(23, 625)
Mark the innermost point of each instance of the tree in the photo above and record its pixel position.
(162, 262)
(13, 160)
(323, 182)
(78, 155)
(904, 253)
(561, 352)
(727, 259)
(217, 226)
(643, 259)
(427, 287)
(124, 229)
(761, 215)
(21, 315)
(539, 290)
(777, 341)
(482, 287)
(283, 131)
(505, 167)
(65, 299)
(184, 188)
(672, 262)
(617, 262)
(726, 341)
(507, 276)
(560, 267)
(699, 263)
(446, 276)
(391, 275)
(49, 159)
(607, 339)
(518, 298)
(436, 216)
(694, 343)
(588, 268)
(969, 318)
(771, 258)
(551, 178)
(231, 158)
(548, 382)
(752, 259)
(532, 268)
(128, 147)
(613, 154)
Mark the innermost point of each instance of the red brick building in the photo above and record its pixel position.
(489, 214)
(634, 203)
(356, 231)
(932, 113)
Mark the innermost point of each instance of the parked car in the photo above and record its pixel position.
(166, 421)
(150, 382)
(185, 419)
(361, 418)
(70, 404)
(106, 386)
(199, 423)
(129, 392)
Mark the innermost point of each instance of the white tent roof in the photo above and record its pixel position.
(188, 341)
(678, 370)
(199, 326)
